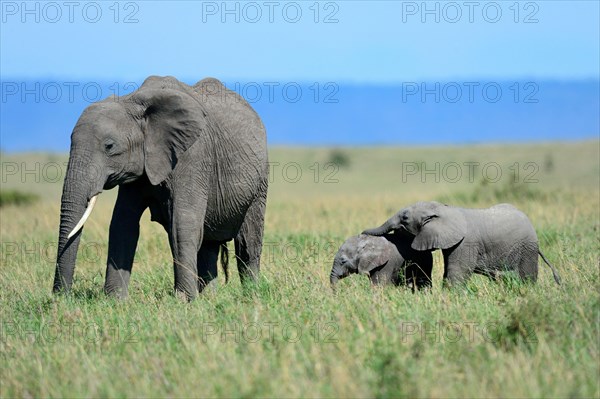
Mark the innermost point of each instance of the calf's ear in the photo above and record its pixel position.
(442, 228)
(374, 252)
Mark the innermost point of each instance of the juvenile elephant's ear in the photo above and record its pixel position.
(443, 228)
(172, 121)
(373, 252)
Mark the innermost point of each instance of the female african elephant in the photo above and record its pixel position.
(484, 241)
(196, 156)
(386, 260)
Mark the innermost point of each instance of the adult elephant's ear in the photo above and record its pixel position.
(172, 121)
(441, 228)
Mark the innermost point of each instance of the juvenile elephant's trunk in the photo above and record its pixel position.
(333, 279)
(338, 272)
(74, 202)
(381, 230)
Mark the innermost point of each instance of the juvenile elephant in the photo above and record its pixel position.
(485, 241)
(386, 260)
(195, 155)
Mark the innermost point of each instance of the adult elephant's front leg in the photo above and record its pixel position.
(123, 237)
(185, 237)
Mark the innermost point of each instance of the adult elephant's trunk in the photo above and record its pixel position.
(76, 204)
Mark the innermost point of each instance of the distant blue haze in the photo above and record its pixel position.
(40, 115)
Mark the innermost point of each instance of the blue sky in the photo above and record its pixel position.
(543, 56)
(366, 42)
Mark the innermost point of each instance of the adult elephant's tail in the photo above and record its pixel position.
(225, 261)
(554, 272)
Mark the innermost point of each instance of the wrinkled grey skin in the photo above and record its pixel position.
(196, 156)
(485, 241)
(386, 260)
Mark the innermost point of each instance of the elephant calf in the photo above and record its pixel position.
(489, 241)
(386, 260)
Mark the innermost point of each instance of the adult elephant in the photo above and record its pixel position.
(196, 156)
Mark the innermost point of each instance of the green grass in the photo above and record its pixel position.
(13, 197)
(290, 336)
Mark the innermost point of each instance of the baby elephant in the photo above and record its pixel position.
(386, 260)
(485, 241)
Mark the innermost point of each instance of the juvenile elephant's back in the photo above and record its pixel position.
(505, 207)
(508, 237)
(504, 221)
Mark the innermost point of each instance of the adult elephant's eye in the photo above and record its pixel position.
(108, 146)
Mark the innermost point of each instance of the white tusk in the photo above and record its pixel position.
(85, 216)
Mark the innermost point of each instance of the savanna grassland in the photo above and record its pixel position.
(290, 336)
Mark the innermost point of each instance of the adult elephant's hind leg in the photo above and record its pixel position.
(248, 242)
(207, 265)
